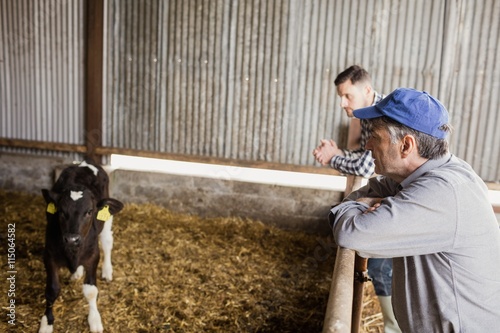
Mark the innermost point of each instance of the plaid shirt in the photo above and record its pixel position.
(358, 162)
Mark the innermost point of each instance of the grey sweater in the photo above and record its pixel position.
(441, 230)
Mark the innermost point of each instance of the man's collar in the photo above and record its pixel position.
(377, 97)
(427, 166)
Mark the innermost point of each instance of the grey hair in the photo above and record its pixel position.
(428, 146)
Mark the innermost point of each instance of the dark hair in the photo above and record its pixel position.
(354, 73)
(428, 146)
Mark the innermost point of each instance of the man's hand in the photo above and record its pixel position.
(374, 203)
(326, 150)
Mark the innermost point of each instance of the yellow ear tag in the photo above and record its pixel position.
(103, 214)
(51, 208)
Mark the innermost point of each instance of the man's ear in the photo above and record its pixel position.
(368, 89)
(408, 145)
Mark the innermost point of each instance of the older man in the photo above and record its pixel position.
(430, 212)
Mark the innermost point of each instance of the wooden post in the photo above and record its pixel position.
(93, 75)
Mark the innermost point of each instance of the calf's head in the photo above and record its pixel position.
(76, 211)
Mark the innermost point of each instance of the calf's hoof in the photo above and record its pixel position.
(95, 322)
(78, 274)
(45, 327)
(107, 273)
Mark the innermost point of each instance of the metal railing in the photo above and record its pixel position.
(345, 302)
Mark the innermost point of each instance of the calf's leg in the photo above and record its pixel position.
(52, 289)
(77, 275)
(106, 238)
(95, 323)
(90, 292)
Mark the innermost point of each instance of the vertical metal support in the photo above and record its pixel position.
(93, 75)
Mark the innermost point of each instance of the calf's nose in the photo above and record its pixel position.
(72, 239)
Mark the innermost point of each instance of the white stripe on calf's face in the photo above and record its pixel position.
(75, 195)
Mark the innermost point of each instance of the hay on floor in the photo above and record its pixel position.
(181, 273)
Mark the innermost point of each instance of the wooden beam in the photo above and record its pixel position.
(66, 147)
(43, 145)
(93, 74)
(29, 144)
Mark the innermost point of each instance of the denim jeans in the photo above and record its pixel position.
(380, 271)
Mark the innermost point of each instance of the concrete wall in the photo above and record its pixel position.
(285, 207)
(28, 173)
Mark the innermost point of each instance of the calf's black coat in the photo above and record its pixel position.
(73, 226)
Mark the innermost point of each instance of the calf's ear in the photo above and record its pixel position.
(114, 205)
(49, 196)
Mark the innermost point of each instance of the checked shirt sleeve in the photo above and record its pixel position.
(362, 165)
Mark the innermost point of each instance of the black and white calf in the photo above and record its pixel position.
(79, 211)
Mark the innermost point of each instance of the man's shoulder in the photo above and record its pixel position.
(450, 175)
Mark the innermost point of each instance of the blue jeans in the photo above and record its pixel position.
(380, 271)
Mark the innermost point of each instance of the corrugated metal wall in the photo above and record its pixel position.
(471, 83)
(41, 66)
(250, 79)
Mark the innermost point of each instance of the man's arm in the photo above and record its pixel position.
(410, 222)
(326, 150)
(360, 166)
(352, 162)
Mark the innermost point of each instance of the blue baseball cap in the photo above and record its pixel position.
(413, 108)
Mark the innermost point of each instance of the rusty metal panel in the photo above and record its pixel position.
(41, 50)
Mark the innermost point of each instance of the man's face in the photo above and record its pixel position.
(386, 154)
(354, 96)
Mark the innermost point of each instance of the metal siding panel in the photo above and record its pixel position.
(477, 123)
(192, 141)
(248, 79)
(267, 150)
(219, 78)
(485, 161)
(490, 170)
(301, 79)
(163, 73)
(312, 95)
(40, 53)
(465, 108)
(283, 66)
(470, 81)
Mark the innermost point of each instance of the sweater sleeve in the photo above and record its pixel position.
(416, 221)
(361, 165)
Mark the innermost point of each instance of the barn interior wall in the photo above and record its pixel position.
(242, 80)
(285, 207)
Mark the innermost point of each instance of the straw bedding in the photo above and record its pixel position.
(180, 273)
